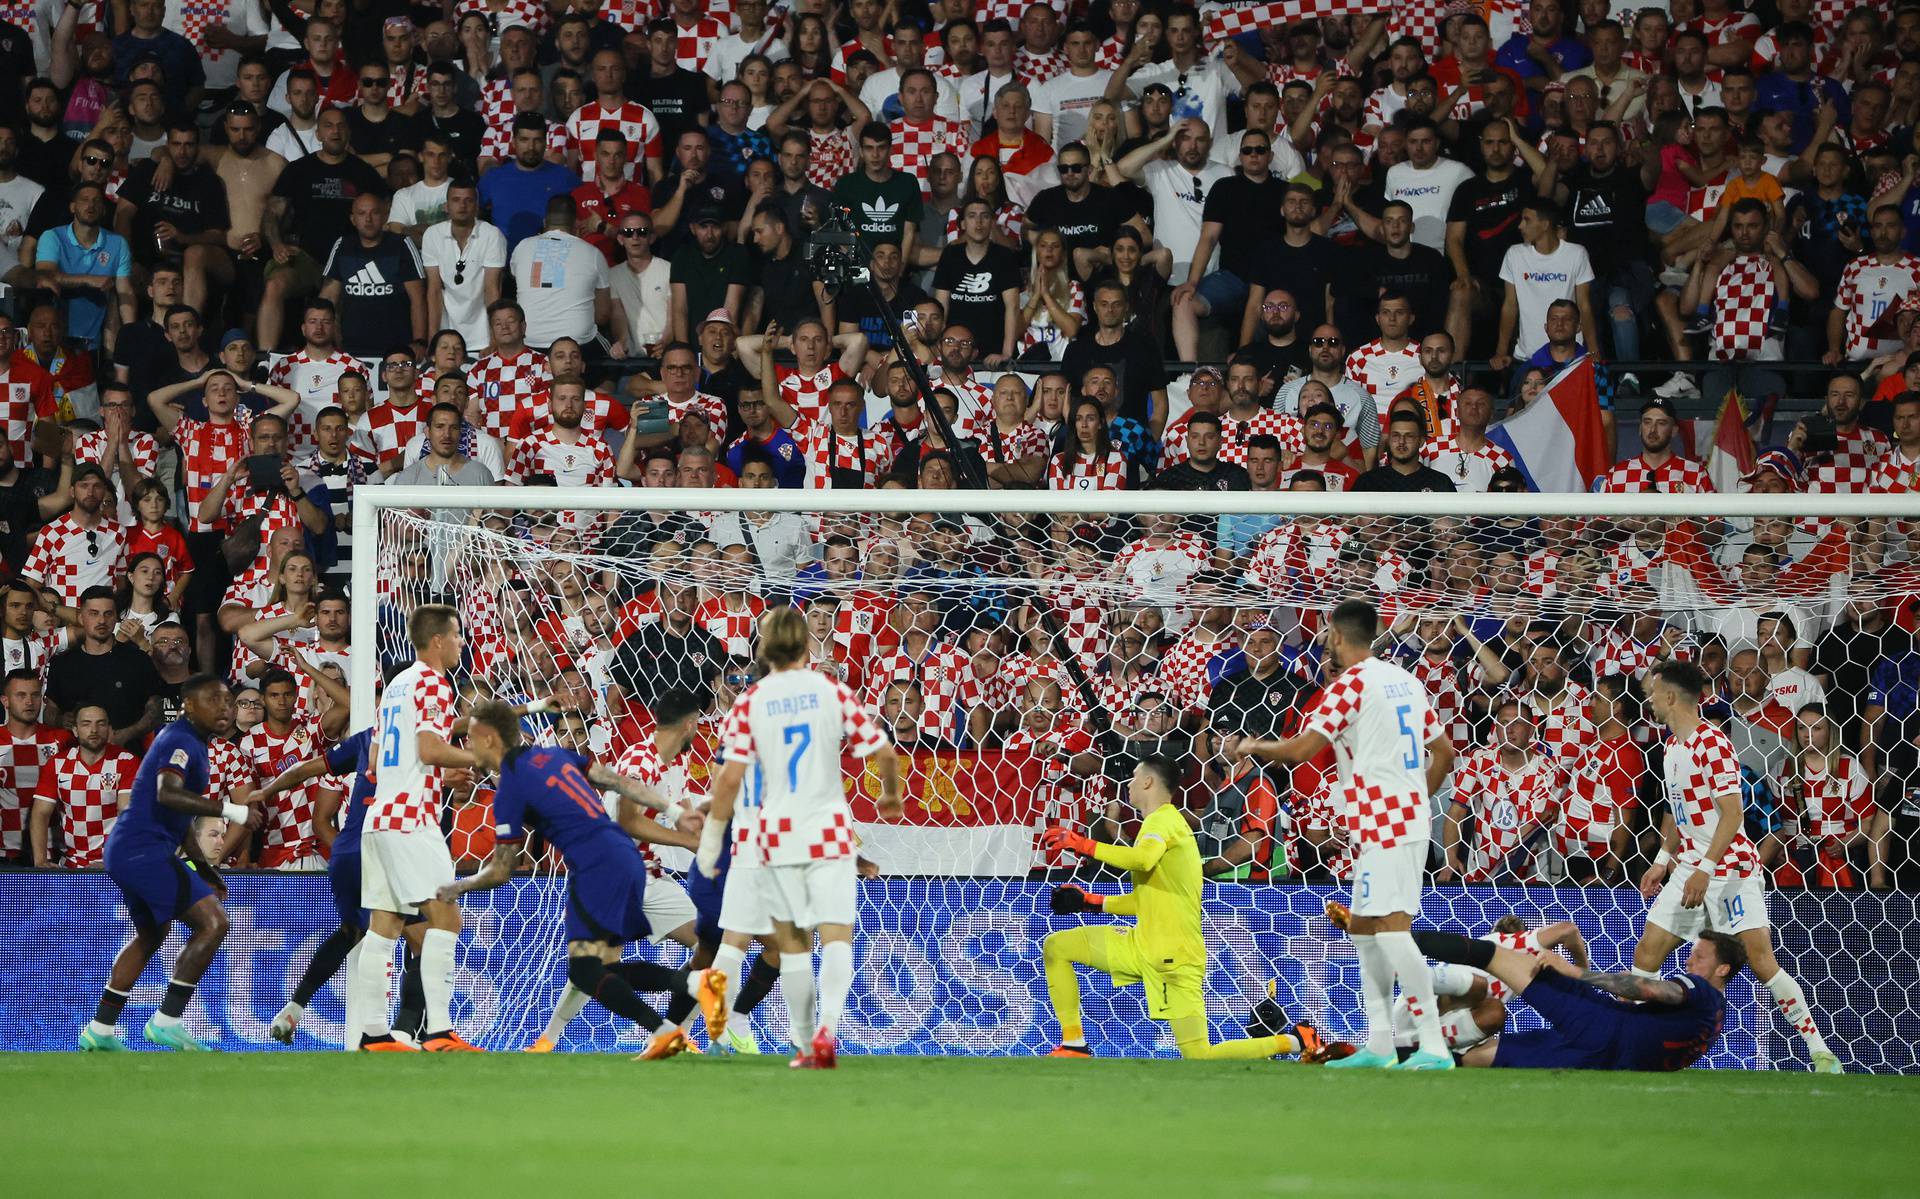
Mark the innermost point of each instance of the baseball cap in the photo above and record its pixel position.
(719, 314)
(706, 214)
(1212, 371)
(90, 470)
(1660, 405)
(233, 335)
(1153, 88)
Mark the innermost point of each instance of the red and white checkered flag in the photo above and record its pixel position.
(1240, 18)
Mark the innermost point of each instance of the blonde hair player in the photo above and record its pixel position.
(792, 727)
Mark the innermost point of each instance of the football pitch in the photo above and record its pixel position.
(570, 1124)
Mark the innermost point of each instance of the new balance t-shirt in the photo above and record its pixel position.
(375, 314)
(975, 289)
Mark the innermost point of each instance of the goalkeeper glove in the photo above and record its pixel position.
(1070, 900)
(1066, 841)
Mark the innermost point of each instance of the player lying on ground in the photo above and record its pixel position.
(1707, 874)
(672, 913)
(1392, 754)
(553, 790)
(143, 858)
(1601, 1021)
(795, 872)
(1164, 951)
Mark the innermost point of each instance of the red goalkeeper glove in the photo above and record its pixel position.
(1066, 841)
(1071, 900)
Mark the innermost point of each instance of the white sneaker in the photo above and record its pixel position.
(1675, 276)
(1628, 384)
(284, 1024)
(1680, 387)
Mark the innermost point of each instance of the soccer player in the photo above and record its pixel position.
(554, 790)
(1392, 753)
(792, 727)
(1707, 873)
(1164, 951)
(1669, 1023)
(144, 860)
(404, 859)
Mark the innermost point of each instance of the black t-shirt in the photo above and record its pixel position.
(464, 129)
(1304, 271)
(1385, 478)
(1424, 275)
(398, 132)
(1278, 361)
(786, 289)
(20, 511)
(143, 349)
(1608, 217)
(657, 660)
(1248, 704)
(320, 197)
(120, 680)
(1249, 216)
(1224, 476)
(1135, 358)
(1081, 224)
(193, 203)
(46, 163)
(677, 100)
(974, 291)
(1491, 213)
(856, 306)
(375, 313)
(716, 191)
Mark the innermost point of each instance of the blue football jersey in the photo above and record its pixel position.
(351, 755)
(146, 824)
(545, 788)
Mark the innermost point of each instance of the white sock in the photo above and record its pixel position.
(1450, 979)
(102, 1030)
(1792, 1003)
(836, 980)
(1404, 1036)
(571, 1001)
(436, 976)
(796, 983)
(351, 1026)
(731, 961)
(373, 978)
(1460, 1030)
(1376, 994)
(1416, 983)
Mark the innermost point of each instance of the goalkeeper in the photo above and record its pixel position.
(1164, 950)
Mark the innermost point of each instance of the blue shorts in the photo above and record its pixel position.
(1663, 218)
(1224, 292)
(707, 895)
(606, 901)
(1585, 1026)
(343, 877)
(159, 888)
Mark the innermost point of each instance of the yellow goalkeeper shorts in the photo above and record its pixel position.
(1171, 994)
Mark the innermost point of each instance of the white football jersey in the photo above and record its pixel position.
(1379, 722)
(792, 728)
(406, 792)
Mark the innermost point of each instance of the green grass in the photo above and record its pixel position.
(511, 1125)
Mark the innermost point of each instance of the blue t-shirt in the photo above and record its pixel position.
(144, 824)
(545, 787)
(789, 464)
(351, 755)
(1568, 52)
(86, 308)
(1661, 1037)
(515, 199)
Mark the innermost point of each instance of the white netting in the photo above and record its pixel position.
(1025, 660)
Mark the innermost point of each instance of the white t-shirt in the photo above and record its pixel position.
(18, 195)
(421, 203)
(1199, 92)
(1538, 280)
(556, 276)
(723, 61)
(293, 144)
(882, 86)
(1429, 193)
(1179, 199)
(646, 298)
(463, 304)
(1286, 160)
(1067, 99)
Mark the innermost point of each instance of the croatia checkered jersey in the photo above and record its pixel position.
(632, 120)
(1866, 289)
(22, 758)
(206, 451)
(68, 559)
(1852, 466)
(1834, 802)
(1699, 769)
(601, 414)
(807, 394)
(794, 726)
(916, 143)
(24, 398)
(496, 107)
(288, 834)
(92, 447)
(1505, 803)
(316, 381)
(407, 791)
(868, 452)
(694, 43)
(394, 428)
(1235, 433)
(585, 463)
(88, 798)
(1675, 476)
(640, 761)
(530, 13)
(1087, 474)
(1384, 373)
(1894, 473)
(1377, 719)
(505, 384)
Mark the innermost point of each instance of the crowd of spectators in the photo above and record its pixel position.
(258, 256)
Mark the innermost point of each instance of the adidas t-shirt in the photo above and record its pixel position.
(882, 210)
(375, 315)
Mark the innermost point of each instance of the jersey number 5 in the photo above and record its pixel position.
(803, 734)
(1412, 759)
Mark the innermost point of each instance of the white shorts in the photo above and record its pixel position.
(1386, 881)
(813, 893)
(667, 908)
(401, 871)
(1733, 905)
(743, 905)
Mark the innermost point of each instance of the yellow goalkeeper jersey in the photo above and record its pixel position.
(1165, 899)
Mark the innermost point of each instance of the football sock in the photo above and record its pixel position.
(572, 1000)
(796, 979)
(836, 980)
(1405, 1036)
(760, 979)
(1410, 967)
(1461, 1031)
(611, 991)
(650, 976)
(1190, 1037)
(1063, 985)
(326, 962)
(106, 1013)
(371, 979)
(680, 1009)
(436, 976)
(1452, 947)
(412, 1016)
(1449, 979)
(728, 960)
(1376, 993)
(353, 1019)
(173, 1004)
(1792, 1004)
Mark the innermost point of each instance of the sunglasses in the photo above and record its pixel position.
(373, 81)
(397, 365)
(93, 544)
(1256, 149)
(94, 160)
(1072, 168)
(1323, 341)
(636, 232)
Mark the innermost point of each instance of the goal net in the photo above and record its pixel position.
(1025, 649)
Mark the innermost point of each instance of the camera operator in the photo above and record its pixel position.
(264, 492)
